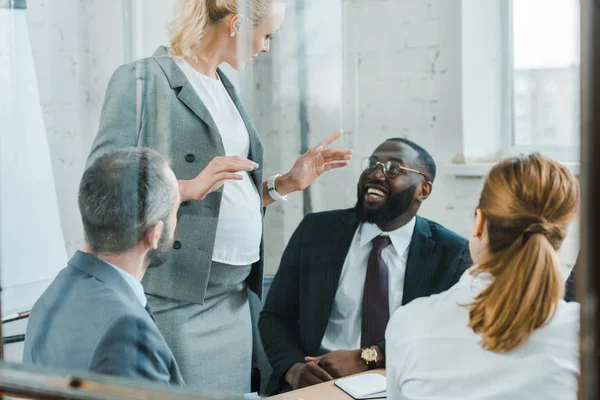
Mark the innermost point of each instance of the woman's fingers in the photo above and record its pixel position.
(335, 165)
(336, 154)
(326, 142)
(227, 176)
(233, 164)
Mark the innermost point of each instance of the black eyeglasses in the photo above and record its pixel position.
(391, 169)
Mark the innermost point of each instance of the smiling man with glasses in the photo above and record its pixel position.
(344, 272)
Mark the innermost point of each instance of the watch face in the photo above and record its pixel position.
(369, 355)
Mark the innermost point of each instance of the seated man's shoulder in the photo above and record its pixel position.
(444, 235)
(73, 296)
(69, 319)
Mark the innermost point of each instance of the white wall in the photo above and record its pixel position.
(377, 68)
(76, 47)
(57, 38)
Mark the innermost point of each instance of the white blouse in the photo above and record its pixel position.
(239, 229)
(431, 353)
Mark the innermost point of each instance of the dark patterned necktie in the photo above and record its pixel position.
(376, 304)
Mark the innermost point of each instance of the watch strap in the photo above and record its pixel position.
(275, 195)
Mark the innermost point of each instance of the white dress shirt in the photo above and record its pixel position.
(133, 283)
(431, 353)
(344, 328)
(239, 229)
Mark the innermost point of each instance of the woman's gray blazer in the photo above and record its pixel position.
(151, 103)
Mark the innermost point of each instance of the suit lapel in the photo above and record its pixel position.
(186, 92)
(328, 282)
(190, 98)
(150, 312)
(418, 267)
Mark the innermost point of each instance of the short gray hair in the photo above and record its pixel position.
(121, 195)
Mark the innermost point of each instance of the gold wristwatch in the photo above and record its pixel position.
(369, 355)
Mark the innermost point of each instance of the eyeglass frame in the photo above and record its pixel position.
(385, 169)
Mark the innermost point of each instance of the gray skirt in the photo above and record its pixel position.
(212, 342)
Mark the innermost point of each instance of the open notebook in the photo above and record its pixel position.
(366, 386)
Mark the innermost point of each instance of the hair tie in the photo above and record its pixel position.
(538, 228)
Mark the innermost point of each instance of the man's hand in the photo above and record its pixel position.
(341, 363)
(306, 374)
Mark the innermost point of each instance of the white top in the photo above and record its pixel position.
(239, 229)
(431, 353)
(135, 285)
(344, 328)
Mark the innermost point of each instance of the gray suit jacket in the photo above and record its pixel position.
(90, 319)
(151, 103)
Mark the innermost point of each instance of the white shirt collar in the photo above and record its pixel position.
(400, 238)
(135, 285)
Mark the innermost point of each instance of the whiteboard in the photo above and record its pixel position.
(32, 248)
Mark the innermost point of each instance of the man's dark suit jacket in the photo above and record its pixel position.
(89, 318)
(570, 284)
(301, 297)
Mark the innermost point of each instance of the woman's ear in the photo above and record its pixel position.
(478, 224)
(234, 25)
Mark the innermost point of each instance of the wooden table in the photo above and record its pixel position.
(325, 390)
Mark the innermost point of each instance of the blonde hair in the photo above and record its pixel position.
(528, 202)
(193, 19)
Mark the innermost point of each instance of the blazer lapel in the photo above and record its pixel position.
(187, 94)
(418, 268)
(329, 281)
(191, 99)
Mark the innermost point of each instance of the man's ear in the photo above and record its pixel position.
(424, 191)
(153, 234)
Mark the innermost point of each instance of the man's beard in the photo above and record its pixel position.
(159, 256)
(394, 206)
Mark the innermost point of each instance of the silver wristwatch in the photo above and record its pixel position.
(272, 191)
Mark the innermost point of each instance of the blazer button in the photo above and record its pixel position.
(190, 158)
(177, 245)
(185, 203)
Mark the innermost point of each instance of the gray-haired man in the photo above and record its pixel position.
(94, 316)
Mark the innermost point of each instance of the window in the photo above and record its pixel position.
(543, 77)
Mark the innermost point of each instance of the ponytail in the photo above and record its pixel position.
(526, 288)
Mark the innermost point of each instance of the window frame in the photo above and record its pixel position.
(566, 154)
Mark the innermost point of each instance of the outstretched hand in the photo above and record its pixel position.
(317, 161)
